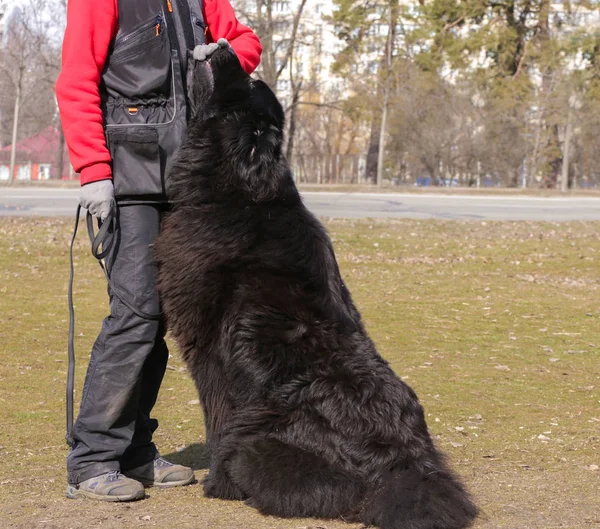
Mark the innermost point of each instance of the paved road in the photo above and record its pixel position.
(34, 201)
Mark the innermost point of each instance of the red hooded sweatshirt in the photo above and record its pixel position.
(91, 26)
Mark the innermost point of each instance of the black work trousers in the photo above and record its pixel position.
(113, 430)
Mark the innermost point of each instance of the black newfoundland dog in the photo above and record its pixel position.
(303, 416)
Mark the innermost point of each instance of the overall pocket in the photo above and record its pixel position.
(140, 62)
(136, 162)
(140, 35)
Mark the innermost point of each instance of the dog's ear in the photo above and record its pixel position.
(200, 82)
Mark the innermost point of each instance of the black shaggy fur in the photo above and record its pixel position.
(303, 416)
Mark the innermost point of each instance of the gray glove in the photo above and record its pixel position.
(204, 51)
(98, 198)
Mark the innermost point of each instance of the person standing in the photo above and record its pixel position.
(122, 99)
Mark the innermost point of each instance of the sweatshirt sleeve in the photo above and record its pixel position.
(91, 26)
(222, 23)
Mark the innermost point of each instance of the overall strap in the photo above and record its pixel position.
(181, 32)
(186, 23)
(197, 8)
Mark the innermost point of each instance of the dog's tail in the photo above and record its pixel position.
(419, 495)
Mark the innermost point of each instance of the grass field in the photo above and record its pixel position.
(495, 325)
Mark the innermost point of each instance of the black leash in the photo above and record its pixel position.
(104, 238)
(71, 346)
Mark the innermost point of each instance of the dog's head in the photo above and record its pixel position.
(251, 123)
(240, 122)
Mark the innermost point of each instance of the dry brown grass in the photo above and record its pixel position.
(495, 325)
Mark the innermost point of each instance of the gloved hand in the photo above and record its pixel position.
(204, 51)
(98, 198)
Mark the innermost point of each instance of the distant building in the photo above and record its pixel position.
(567, 17)
(36, 158)
(8, 16)
(2, 21)
(316, 47)
(316, 43)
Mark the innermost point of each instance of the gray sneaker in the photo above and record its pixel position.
(112, 486)
(162, 473)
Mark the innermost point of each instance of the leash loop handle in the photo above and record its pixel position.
(105, 238)
(105, 235)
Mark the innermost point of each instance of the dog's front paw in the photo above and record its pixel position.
(223, 62)
(223, 55)
(218, 485)
(199, 86)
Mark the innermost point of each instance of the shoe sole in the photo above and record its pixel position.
(168, 484)
(77, 494)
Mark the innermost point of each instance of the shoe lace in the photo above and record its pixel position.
(113, 476)
(160, 462)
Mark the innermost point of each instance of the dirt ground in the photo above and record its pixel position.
(495, 325)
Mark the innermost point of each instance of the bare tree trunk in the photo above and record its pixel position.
(386, 96)
(290, 49)
(382, 139)
(13, 151)
(547, 86)
(546, 91)
(293, 113)
(564, 181)
(263, 24)
(335, 168)
(533, 166)
(292, 130)
(61, 152)
(371, 165)
(268, 67)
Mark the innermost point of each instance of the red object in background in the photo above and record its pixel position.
(38, 150)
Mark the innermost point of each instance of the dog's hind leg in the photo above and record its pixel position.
(283, 480)
(421, 494)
